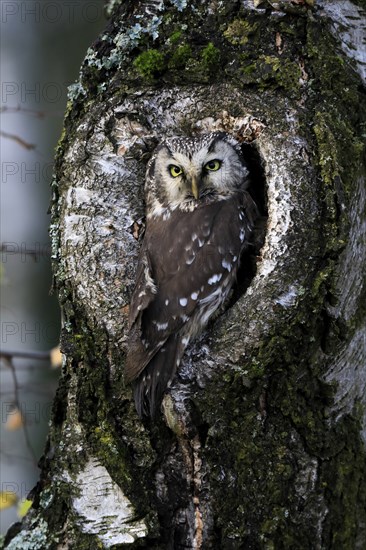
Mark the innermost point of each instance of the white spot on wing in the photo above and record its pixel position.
(167, 302)
(241, 235)
(194, 295)
(150, 281)
(214, 279)
(185, 340)
(226, 265)
(183, 301)
(190, 259)
(160, 326)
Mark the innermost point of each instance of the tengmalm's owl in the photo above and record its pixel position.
(198, 220)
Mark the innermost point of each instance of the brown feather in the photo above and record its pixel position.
(188, 261)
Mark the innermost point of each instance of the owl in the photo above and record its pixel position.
(198, 220)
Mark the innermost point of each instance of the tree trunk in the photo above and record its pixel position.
(260, 443)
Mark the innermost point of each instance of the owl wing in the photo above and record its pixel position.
(144, 293)
(186, 269)
(146, 321)
(194, 259)
(145, 288)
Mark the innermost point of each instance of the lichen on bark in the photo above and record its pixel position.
(260, 443)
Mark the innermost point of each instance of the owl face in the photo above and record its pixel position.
(186, 172)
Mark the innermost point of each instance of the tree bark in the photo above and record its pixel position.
(261, 439)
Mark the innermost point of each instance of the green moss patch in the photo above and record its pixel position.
(150, 63)
(239, 31)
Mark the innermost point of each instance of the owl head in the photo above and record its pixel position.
(186, 172)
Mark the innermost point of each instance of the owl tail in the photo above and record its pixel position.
(154, 380)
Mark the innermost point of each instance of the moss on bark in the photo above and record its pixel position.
(280, 466)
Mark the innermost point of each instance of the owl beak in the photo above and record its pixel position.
(195, 190)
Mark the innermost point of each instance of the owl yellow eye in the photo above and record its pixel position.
(213, 165)
(175, 170)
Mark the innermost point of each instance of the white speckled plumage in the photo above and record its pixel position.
(189, 259)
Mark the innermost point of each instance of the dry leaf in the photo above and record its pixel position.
(14, 420)
(7, 499)
(136, 230)
(23, 507)
(279, 43)
(56, 357)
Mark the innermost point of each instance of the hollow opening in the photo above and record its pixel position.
(258, 186)
(258, 191)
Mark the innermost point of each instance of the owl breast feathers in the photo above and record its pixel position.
(198, 220)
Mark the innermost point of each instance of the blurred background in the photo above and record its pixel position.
(42, 47)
